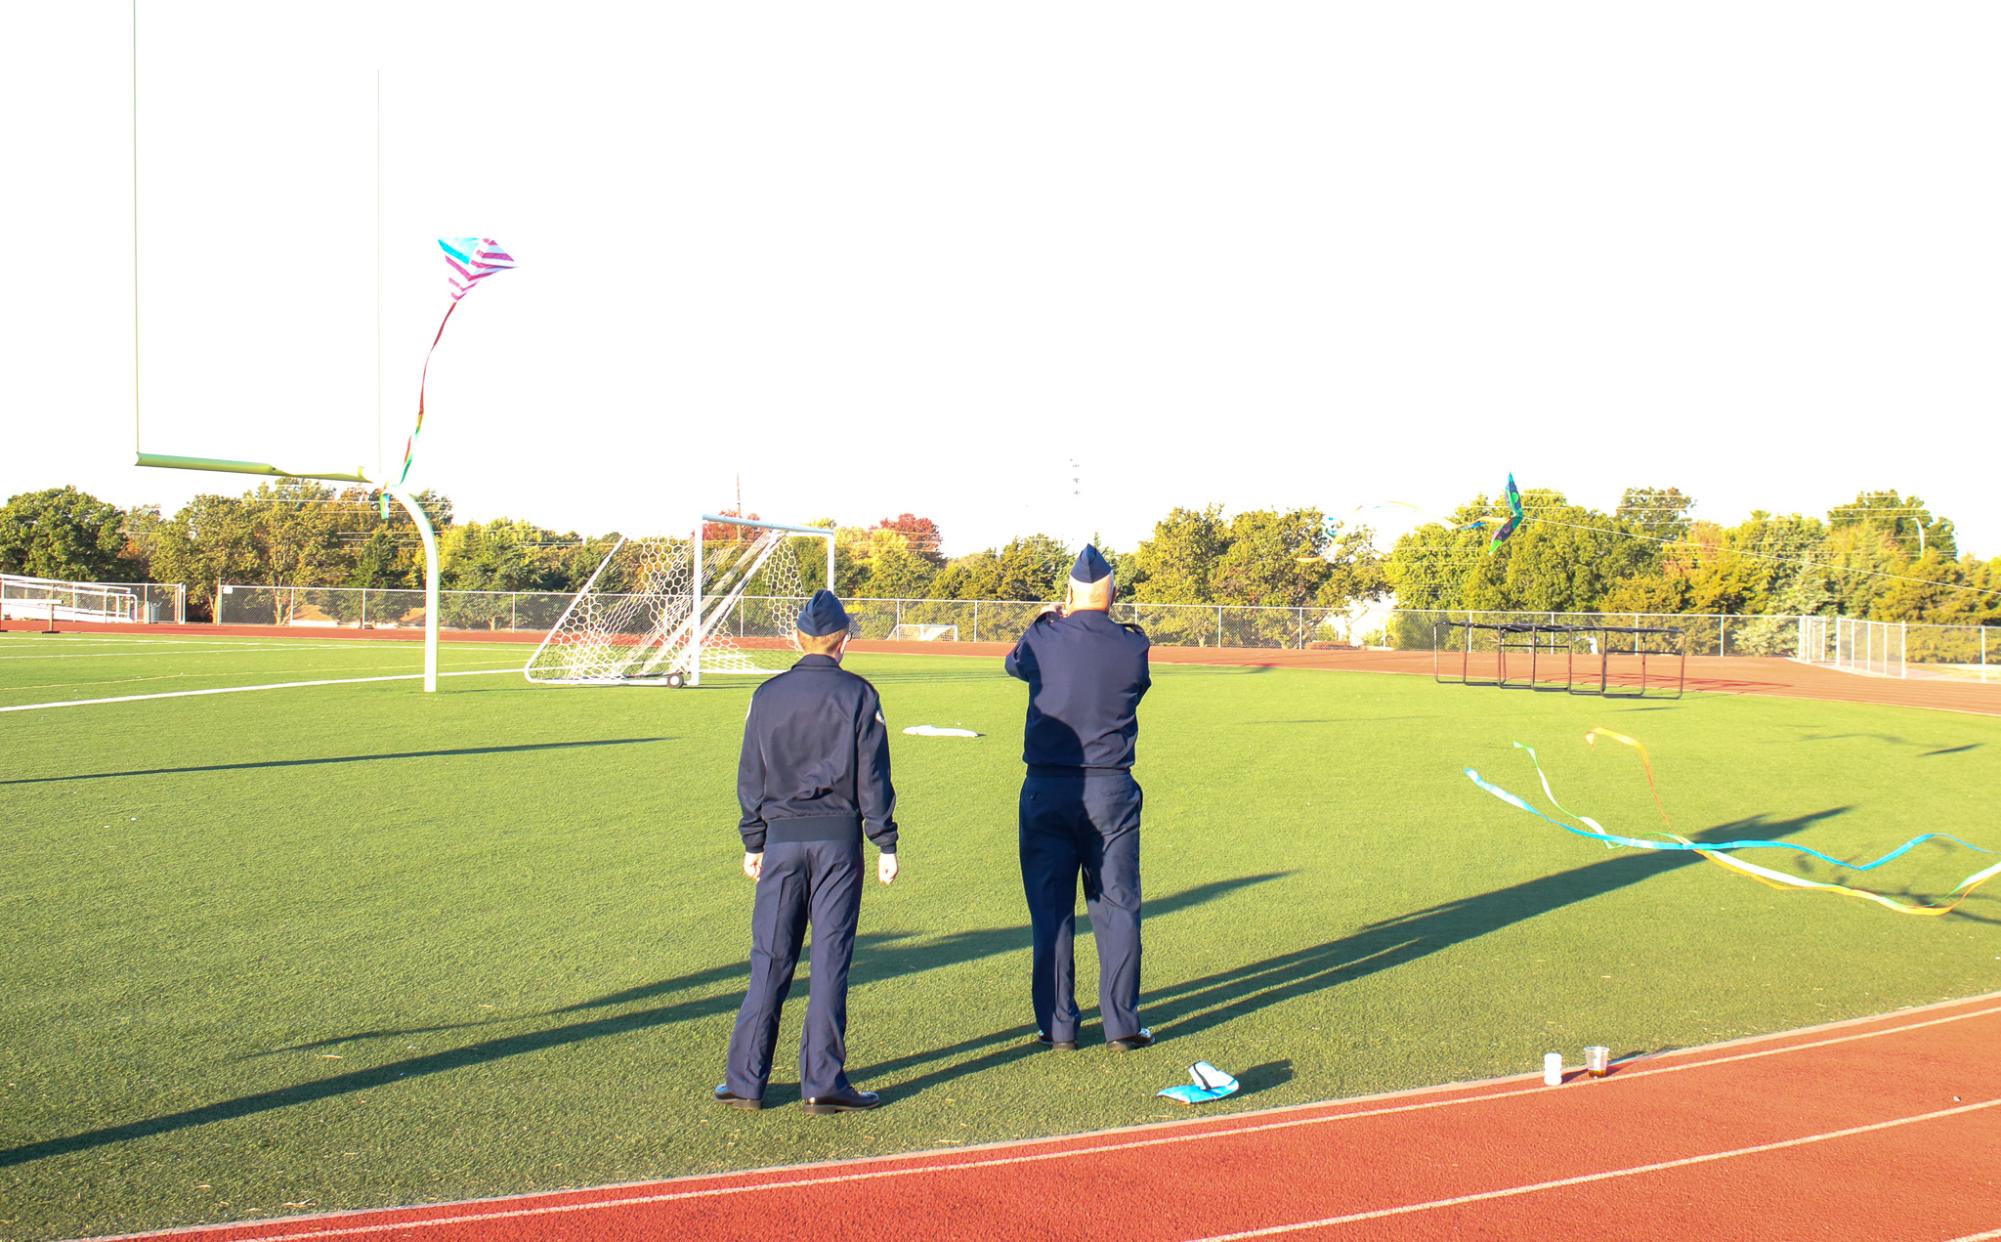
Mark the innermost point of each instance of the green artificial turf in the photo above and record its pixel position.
(350, 945)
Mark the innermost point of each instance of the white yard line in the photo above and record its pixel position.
(292, 673)
(282, 685)
(224, 646)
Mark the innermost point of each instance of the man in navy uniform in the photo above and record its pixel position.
(1080, 806)
(813, 778)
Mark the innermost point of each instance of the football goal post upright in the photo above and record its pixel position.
(670, 611)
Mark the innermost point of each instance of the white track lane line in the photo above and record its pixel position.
(948, 1165)
(281, 685)
(292, 673)
(1978, 1237)
(1405, 1209)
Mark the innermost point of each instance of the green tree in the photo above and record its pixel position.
(1270, 559)
(1906, 521)
(1657, 513)
(209, 540)
(895, 569)
(60, 532)
(1565, 558)
(975, 575)
(1177, 564)
(1652, 592)
(1033, 567)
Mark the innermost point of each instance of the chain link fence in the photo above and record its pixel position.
(1957, 651)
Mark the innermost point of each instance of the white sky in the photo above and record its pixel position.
(918, 257)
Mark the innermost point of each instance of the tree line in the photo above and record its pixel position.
(1884, 555)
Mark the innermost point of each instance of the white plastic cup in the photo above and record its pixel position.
(1552, 1069)
(1597, 1060)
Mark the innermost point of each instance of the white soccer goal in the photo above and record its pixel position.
(46, 599)
(667, 611)
(914, 632)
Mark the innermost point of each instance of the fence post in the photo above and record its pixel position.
(1983, 653)
(513, 599)
(1219, 625)
(976, 620)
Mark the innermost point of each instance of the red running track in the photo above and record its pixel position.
(1882, 1128)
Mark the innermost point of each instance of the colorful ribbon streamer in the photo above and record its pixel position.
(1716, 851)
(471, 260)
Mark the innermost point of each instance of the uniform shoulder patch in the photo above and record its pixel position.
(1132, 628)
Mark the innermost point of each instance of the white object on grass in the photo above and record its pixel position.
(914, 632)
(938, 731)
(1210, 1084)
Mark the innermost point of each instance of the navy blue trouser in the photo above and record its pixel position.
(1083, 824)
(817, 882)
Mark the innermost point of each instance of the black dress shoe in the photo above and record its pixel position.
(1142, 1038)
(846, 1102)
(1060, 1045)
(723, 1095)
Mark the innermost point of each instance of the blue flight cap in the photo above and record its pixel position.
(823, 615)
(1091, 567)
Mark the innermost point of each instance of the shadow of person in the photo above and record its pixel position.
(881, 955)
(1192, 1006)
(1195, 1005)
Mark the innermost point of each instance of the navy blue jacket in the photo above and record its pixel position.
(815, 763)
(1086, 674)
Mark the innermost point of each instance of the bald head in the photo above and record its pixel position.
(1091, 596)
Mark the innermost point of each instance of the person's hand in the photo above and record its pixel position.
(753, 865)
(885, 868)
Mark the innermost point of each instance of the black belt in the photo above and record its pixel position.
(815, 828)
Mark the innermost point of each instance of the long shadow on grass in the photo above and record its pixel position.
(880, 956)
(1194, 1005)
(315, 762)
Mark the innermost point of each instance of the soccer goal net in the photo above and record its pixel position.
(667, 611)
(45, 599)
(913, 632)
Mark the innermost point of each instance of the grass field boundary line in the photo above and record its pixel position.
(1583, 1179)
(293, 673)
(278, 685)
(203, 649)
(1225, 1127)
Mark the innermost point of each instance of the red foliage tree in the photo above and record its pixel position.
(922, 532)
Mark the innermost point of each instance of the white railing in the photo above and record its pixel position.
(116, 603)
(1962, 651)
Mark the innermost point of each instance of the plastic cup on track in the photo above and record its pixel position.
(1598, 1060)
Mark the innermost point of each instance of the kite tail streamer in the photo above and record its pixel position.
(1716, 852)
(410, 445)
(1780, 880)
(1647, 764)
